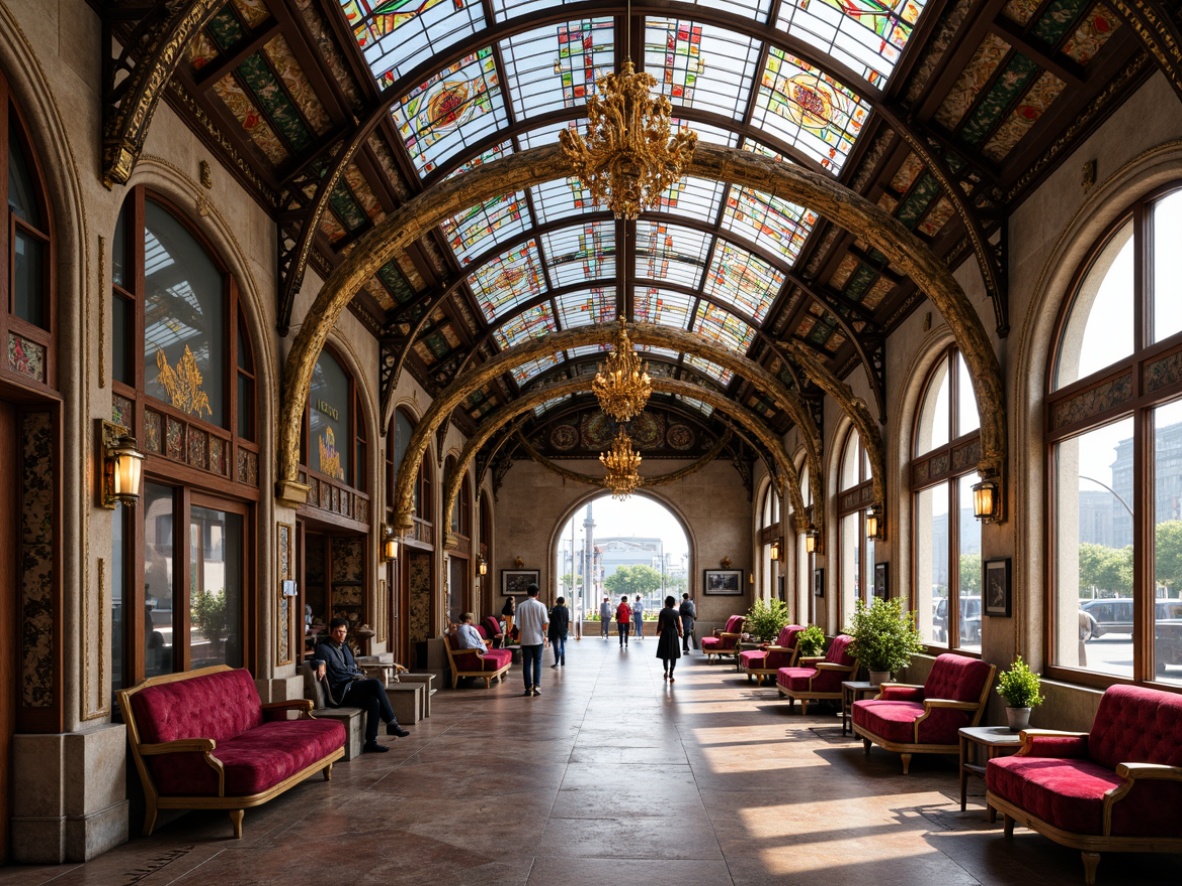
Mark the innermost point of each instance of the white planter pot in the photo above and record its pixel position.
(1018, 718)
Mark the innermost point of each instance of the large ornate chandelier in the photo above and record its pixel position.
(630, 155)
(621, 463)
(622, 384)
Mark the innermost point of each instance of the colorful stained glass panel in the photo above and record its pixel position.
(595, 306)
(663, 307)
(508, 280)
(548, 134)
(396, 35)
(695, 197)
(808, 109)
(561, 198)
(723, 328)
(710, 370)
(556, 66)
(494, 153)
(743, 280)
(769, 222)
(581, 254)
(671, 253)
(486, 225)
(453, 110)
(701, 66)
(535, 322)
(524, 373)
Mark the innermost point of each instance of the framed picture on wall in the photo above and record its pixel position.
(515, 581)
(723, 582)
(997, 587)
(881, 588)
(818, 582)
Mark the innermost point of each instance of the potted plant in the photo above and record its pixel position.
(810, 642)
(1019, 687)
(766, 619)
(884, 637)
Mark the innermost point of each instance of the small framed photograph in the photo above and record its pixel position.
(723, 582)
(515, 581)
(997, 587)
(818, 582)
(881, 588)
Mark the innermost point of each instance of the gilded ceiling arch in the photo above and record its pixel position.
(786, 468)
(831, 199)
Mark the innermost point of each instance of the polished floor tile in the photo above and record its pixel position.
(612, 776)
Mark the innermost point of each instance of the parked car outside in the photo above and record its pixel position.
(1114, 616)
(1167, 634)
(970, 620)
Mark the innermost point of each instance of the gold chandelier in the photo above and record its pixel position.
(630, 155)
(621, 463)
(622, 384)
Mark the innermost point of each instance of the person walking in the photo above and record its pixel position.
(623, 620)
(559, 625)
(532, 620)
(689, 614)
(638, 617)
(668, 632)
(605, 617)
(507, 611)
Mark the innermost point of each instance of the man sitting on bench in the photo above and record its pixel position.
(348, 685)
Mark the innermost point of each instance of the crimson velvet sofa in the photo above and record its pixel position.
(204, 740)
(926, 719)
(726, 641)
(818, 678)
(766, 661)
(1117, 788)
(487, 666)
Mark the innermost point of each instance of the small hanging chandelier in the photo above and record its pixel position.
(630, 154)
(622, 384)
(622, 465)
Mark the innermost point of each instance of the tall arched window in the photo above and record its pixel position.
(770, 542)
(183, 382)
(947, 536)
(1114, 448)
(856, 494)
(806, 603)
(336, 436)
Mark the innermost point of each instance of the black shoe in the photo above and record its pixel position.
(554, 665)
(372, 747)
(527, 693)
(537, 691)
(395, 729)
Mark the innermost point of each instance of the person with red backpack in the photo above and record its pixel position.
(623, 620)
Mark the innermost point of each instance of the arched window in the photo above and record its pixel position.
(806, 603)
(336, 430)
(1114, 448)
(770, 542)
(183, 383)
(947, 537)
(404, 427)
(855, 495)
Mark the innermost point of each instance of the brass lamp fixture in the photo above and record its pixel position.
(775, 552)
(987, 499)
(873, 521)
(630, 154)
(390, 545)
(122, 467)
(810, 540)
(622, 384)
(621, 463)
(481, 566)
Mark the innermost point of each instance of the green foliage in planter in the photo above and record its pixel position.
(766, 619)
(884, 636)
(1019, 685)
(208, 612)
(810, 641)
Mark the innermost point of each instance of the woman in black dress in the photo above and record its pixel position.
(669, 637)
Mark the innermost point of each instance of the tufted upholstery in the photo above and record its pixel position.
(487, 665)
(894, 715)
(768, 661)
(492, 628)
(725, 642)
(216, 706)
(1063, 779)
(804, 679)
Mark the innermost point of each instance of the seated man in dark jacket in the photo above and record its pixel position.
(348, 685)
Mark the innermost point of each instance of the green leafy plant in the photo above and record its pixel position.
(810, 641)
(208, 612)
(766, 619)
(1019, 685)
(884, 636)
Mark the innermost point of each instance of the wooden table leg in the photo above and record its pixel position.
(963, 772)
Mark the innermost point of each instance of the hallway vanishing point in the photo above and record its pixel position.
(611, 777)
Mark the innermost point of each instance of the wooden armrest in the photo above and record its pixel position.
(950, 704)
(180, 746)
(1060, 732)
(724, 635)
(810, 659)
(1149, 771)
(294, 704)
(893, 685)
(778, 648)
(834, 666)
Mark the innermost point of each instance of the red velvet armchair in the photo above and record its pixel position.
(487, 666)
(1117, 788)
(724, 642)
(926, 719)
(762, 663)
(492, 630)
(818, 678)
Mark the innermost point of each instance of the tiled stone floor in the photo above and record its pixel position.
(612, 777)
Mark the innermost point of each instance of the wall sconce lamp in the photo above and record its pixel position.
(987, 499)
(750, 578)
(776, 550)
(390, 545)
(481, 566)
(873, 521)
(810, 540)
(123, 466)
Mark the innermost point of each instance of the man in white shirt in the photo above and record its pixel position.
(468, 636)
(532, 621)
(638, 617)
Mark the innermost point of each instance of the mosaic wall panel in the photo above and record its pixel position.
(174, 439)
(123, 412)
(419, 574)
(36, 559)
(217, 455)
(198, 448)
(1163, 373)
(1091, 403)
(152, 437)
(26, 357)
(248, 467)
